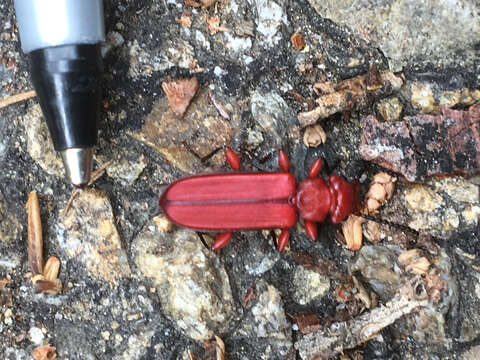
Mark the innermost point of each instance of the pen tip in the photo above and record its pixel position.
(78, 165)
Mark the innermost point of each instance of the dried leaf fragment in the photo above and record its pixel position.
(220, 346)
(184, 20)
(214, 24)
(215, 349)
(44, 353)
(52, 267)
(372, 231)
(352, 231)
(308, 322)
(414, 262)
(314, 136)
(34, 236)
(297, 41)
(180, 93)
(381, 189)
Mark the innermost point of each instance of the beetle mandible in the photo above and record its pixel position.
(228, 202)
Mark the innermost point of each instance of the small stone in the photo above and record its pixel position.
(10, 228)
(39, 142)
(425, 145)
(472, 354)
(126, 168)
(422, 198)
(271, 16)
(422, 98)
(309, 285)
(36, 335)
(92, 238)
(390, 109)
(192, 285)
(105, 335)
(183, 143)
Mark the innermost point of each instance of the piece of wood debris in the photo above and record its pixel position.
(214, 24)
(34, 234)
(308, 322)
(352, 94)
(218, 105)
(204, 4)
(93, 177)
(297, 41)
(352, 232)
(45, 352)
(215, 349)
(179, 94)
(184, 20)
(339, 336)
(17, 98)
(314, 136)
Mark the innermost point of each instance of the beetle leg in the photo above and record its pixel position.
(315, 168)
(221, 240)
(283, 161)
(283, 239)
(232, 158)
(311, 230)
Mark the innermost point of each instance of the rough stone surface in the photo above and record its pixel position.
(408, 31)
(247, 67)
(88, 234)
(267, 322)
(39, 143)
(390, 109)
(184, 143)
(425, 145)
(309, 285)
(192, 286)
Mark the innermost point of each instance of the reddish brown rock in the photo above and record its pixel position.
(425, 145)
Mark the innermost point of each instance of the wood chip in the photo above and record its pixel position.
(34, 234)
(214, 24)
(17, 98)
(44, 353)
(184, 20)
(319, 265)
(314, 136)
(52, 287)
(381, 189)
(331, 341)
(352, 231)
(51, 269)
(297, 41)
(180, 93)
(308, 322)
(352, 94)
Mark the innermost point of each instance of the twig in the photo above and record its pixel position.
(93, 177)
(34, 234)
(332, 340)
(17, 98)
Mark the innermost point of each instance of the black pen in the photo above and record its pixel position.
(63, 39)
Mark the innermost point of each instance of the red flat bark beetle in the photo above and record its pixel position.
(257, 200)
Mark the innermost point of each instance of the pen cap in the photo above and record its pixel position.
(46, 23)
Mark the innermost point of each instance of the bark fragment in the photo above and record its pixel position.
(352, 94)
(332, 340)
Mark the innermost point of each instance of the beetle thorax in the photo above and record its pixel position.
(313, 199)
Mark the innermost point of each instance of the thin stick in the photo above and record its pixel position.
(34, 234)
(93, 177)
(17, 98)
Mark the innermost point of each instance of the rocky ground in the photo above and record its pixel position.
(136, 287)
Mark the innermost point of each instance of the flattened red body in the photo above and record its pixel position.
(225, 202)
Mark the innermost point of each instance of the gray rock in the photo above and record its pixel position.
(192, 285)
(309, 285)
(410, 32)
(39, 142)
(88, 234)
(10, 228)
(266, 322)
(272, 113)
(271, 16)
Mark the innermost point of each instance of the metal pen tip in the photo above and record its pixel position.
(78, 165)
